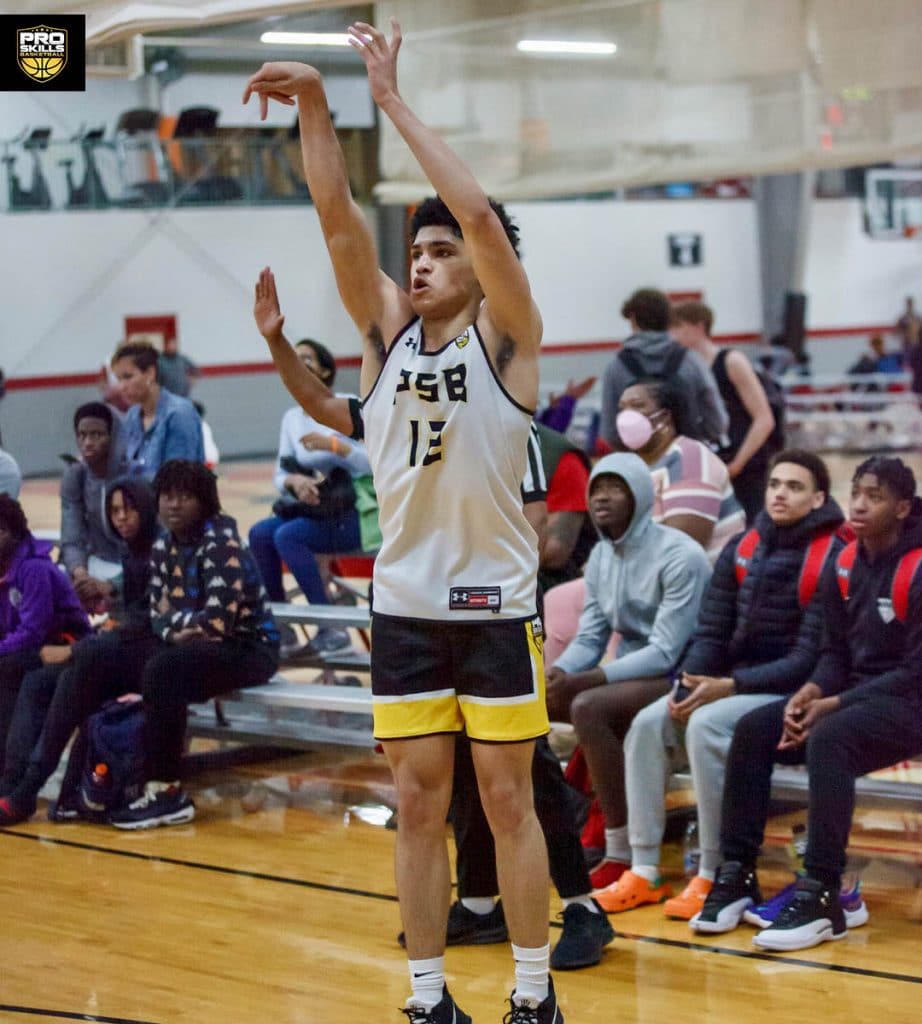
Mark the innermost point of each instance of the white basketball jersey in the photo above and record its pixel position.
(447, 446)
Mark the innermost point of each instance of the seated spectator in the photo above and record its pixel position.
(89, 547)
(308, 450)
(752, 422)
(38, 735)
(692, 491)
(10, 475)
(209, 632)
(159, 426)
(860, 711)
(758, 636)
(210, 621)
(692, 487)
(38, 607)
(649, 353)
(646, 582)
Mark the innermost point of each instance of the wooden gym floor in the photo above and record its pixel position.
(277, 906)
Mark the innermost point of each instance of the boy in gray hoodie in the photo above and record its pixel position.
(645, 582)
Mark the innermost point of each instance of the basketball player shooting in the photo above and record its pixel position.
(449, 381)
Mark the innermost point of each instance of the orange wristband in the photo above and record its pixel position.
(335, 446)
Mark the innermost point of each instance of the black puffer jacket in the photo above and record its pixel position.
(867, 651)
(757, 632)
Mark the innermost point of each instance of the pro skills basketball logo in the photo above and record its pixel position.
(50, 52)
(41, 51)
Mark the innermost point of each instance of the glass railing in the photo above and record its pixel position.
(92, 173)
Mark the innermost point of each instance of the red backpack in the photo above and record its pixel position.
(810, 572)
(902, 577)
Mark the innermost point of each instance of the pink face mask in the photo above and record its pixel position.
(634, 429)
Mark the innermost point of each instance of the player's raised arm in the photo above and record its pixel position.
(498, 270)
(306, 388)
(376, 305)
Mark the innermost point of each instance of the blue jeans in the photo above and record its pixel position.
(294, 542)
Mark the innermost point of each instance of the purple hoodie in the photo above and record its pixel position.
(37, 600)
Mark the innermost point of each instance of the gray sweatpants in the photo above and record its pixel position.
(656, 746)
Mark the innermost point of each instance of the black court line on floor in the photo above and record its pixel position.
(863, 972)
(36, 1011)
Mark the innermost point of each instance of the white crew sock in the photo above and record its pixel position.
(427, 979)
(531, 974)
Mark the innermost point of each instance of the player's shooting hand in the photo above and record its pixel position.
(379, 55)
(280, 80)
(266, 310)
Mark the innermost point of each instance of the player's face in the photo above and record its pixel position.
(442, 277)
(791, 494)
(134, 383)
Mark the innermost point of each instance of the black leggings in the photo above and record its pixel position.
(846, 744)
(13, 668)
(556, 805)
(168, 676)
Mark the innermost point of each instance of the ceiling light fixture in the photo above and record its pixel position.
(305, 38)
(558, 46)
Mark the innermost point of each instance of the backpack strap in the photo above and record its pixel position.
(844, 564)
(817, 552)
(902, 580)
(673, 361)
(744, 552)
(632, 362)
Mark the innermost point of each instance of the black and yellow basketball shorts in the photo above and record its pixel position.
(431, 677)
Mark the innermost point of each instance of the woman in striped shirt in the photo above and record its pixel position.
(693, 492)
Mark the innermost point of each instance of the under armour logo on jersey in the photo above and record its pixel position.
(481, 598)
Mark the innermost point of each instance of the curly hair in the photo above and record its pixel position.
(670, 398)
(181, 476)
(434, 212)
